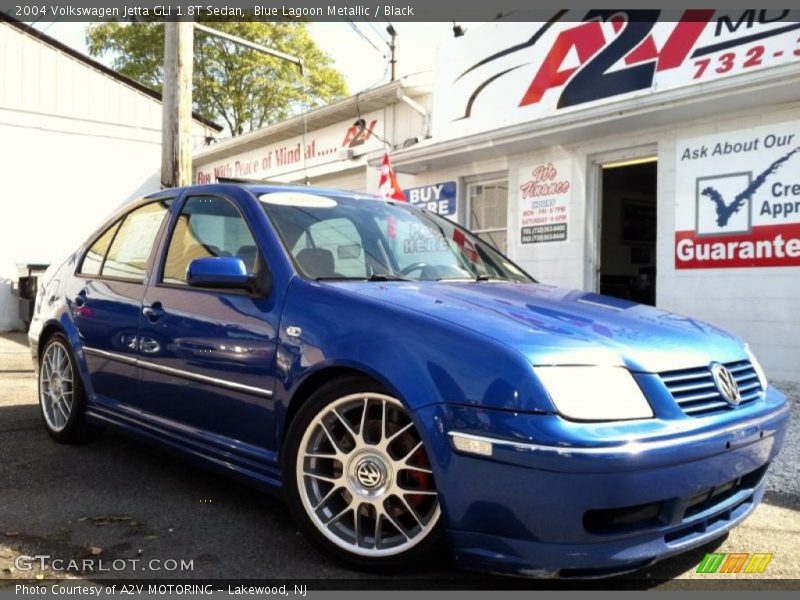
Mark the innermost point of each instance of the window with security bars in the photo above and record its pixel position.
(487, 206)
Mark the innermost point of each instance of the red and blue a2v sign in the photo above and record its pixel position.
(521, 72)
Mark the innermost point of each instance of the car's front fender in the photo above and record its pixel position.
(422, 359)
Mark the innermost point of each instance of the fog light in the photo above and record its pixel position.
(471, 445)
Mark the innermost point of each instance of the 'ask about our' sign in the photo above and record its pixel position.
(738, 199)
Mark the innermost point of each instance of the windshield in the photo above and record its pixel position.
(338, 237)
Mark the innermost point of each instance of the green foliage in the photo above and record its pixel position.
(237, 86)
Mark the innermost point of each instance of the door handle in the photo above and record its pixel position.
(80, 298)
(153, 312)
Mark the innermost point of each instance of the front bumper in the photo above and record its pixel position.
(559, 498)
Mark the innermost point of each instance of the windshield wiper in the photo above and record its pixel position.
(338, 278)
(373, 277)
(387, 277)
(475, 278)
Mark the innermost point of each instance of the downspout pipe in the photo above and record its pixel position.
(417, 108)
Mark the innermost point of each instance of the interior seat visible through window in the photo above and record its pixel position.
(129, 252)
(208, 226)
(317, 262)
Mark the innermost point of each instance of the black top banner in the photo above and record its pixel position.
(320, 10)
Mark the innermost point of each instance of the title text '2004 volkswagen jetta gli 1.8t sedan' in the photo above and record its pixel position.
(404, 383)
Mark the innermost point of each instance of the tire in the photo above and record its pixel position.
(364, 497)
(62, 396)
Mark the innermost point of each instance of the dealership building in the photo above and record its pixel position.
(663, 170)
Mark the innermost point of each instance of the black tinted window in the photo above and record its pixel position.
(208, 226)
(93, 260)
(127, 257)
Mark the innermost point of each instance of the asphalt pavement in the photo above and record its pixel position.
(117, 498)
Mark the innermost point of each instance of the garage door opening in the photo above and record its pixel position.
(628, 230)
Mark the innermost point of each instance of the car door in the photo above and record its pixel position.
(106, 301)
(207, 356)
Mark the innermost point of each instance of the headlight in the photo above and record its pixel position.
(595, 393)
(762, 377)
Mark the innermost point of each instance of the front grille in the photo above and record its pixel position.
(623, 519)
(711, 497)
(696, 393)
(704, 505)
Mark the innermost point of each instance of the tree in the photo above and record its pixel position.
(241, 87)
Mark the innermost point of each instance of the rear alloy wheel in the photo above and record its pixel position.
(56, 386)
(364, 480)
(61, 395)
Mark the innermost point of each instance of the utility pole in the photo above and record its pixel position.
(392, 48)
(176, 101)
(176, 120)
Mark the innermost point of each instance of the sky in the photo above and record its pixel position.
(361, 64)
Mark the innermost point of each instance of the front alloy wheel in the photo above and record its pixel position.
(364, 480)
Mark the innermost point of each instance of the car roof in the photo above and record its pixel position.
(263, 188)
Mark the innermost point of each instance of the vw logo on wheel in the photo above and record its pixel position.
(726, 384)
(369, 473)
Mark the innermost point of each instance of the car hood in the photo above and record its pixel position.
(552, 325)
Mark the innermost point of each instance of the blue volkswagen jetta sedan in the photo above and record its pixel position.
(403, 383)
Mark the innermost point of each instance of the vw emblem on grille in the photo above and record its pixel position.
(369, 473)
(726, 384)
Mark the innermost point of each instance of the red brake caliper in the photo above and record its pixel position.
(420, 480)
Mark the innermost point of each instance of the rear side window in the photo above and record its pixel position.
(208, 226)
(127, 257)
(93, 260)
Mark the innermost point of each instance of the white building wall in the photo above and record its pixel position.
(74, 145)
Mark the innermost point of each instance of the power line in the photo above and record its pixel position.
(364, 37)
(378, 32)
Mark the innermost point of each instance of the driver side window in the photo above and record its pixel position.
(208, 226)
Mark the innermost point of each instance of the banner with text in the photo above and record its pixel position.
(439, 198)
(738, 199)
(327, 145)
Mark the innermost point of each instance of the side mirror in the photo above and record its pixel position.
(218, 272)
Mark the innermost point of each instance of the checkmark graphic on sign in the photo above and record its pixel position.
(726, 210)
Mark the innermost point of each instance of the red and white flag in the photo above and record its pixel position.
(467, 247)
(388, 187)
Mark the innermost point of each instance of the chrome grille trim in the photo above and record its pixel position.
(697, 395)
